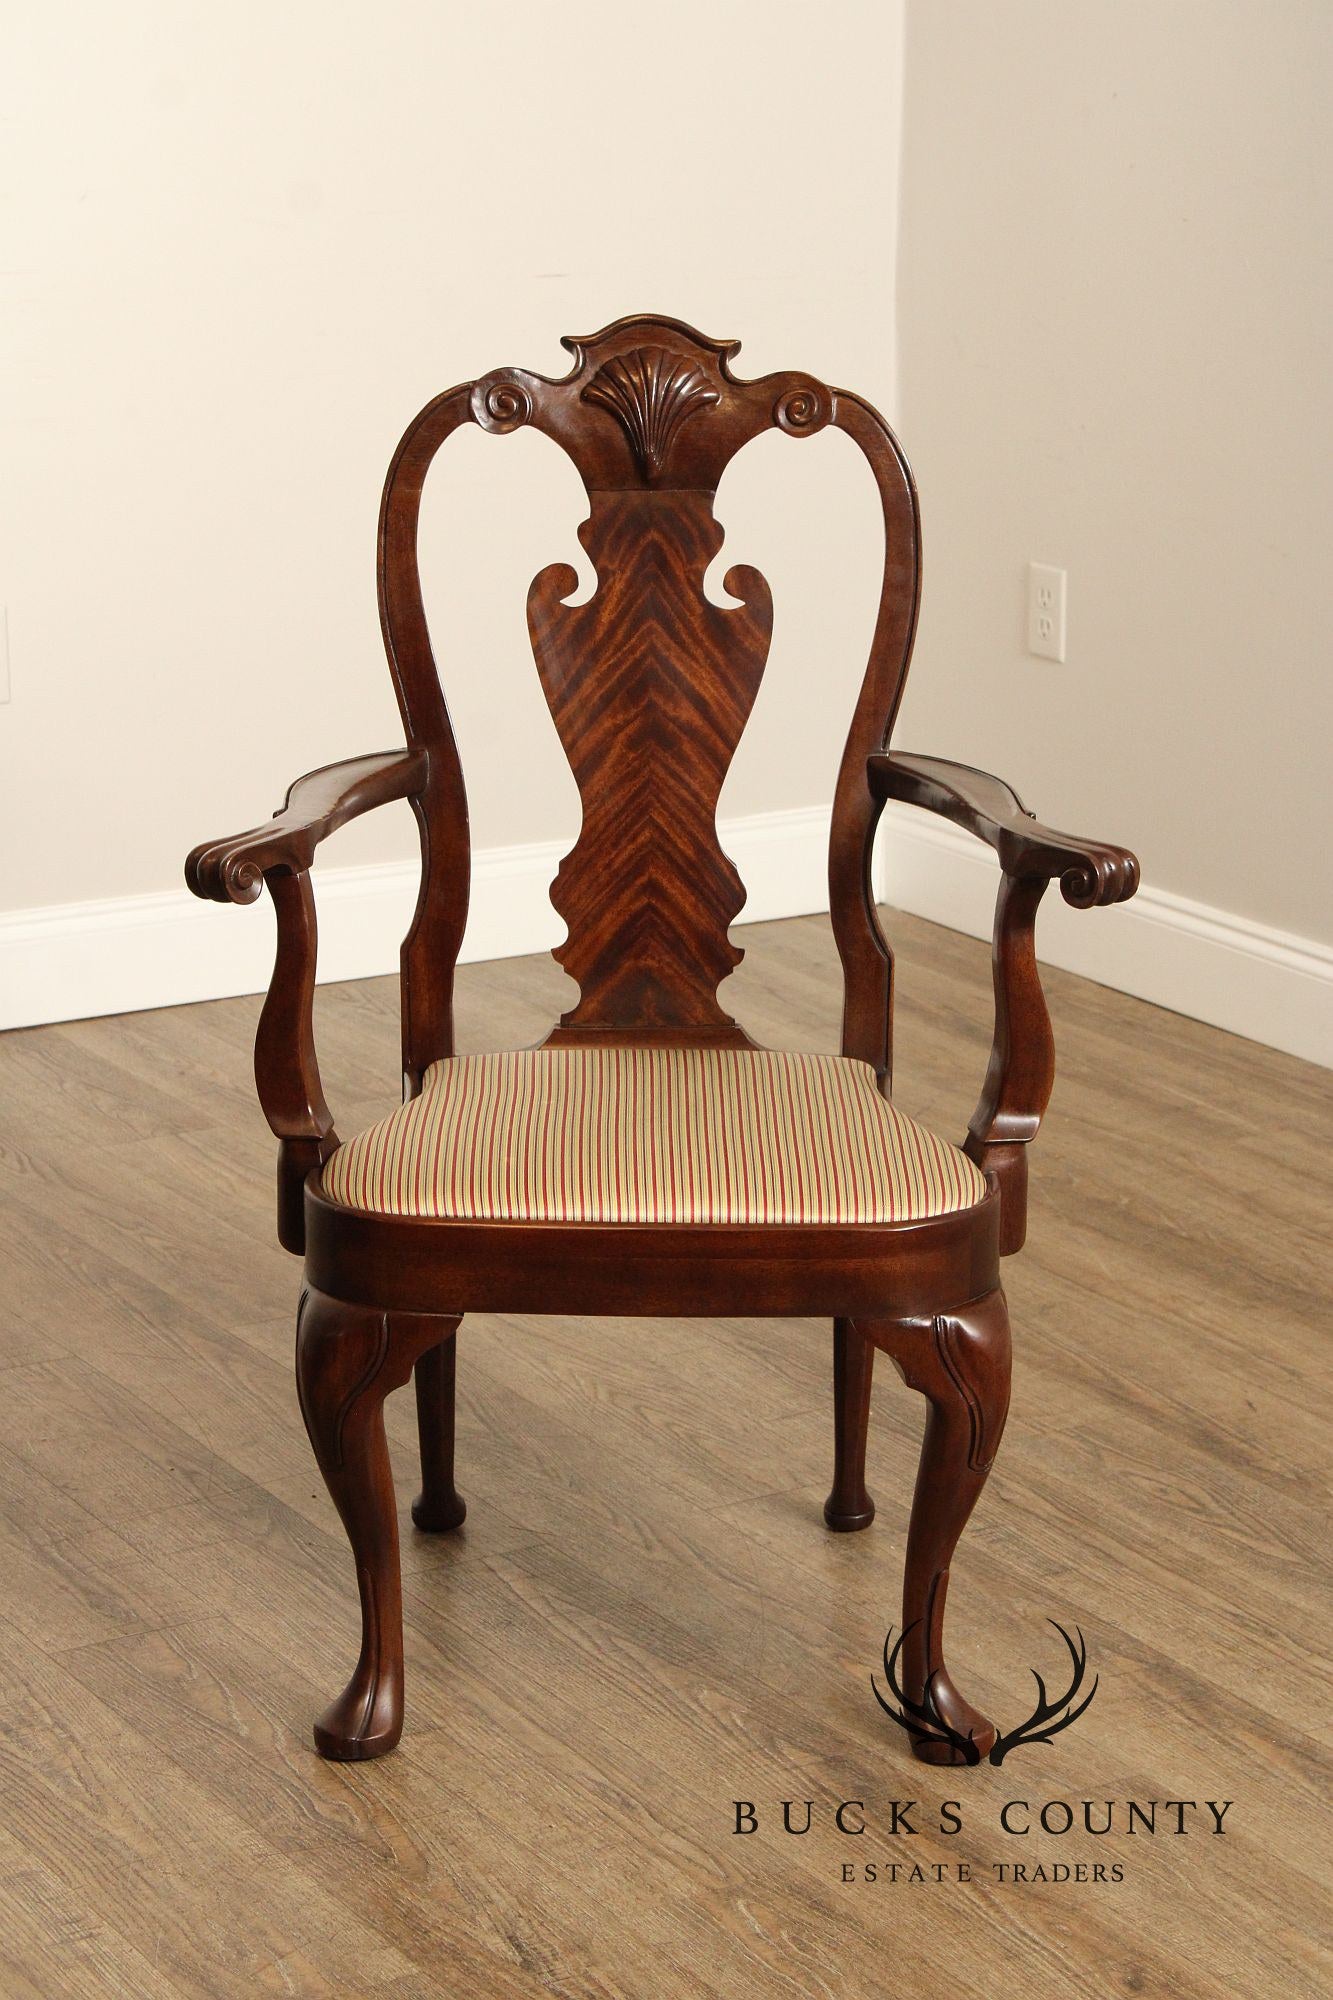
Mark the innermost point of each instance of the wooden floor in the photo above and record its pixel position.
(589, 1689)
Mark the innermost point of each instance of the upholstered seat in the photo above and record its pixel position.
(652, 1135)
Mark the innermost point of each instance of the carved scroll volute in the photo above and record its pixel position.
(651, 403)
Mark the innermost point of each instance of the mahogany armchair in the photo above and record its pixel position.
(648, 1157)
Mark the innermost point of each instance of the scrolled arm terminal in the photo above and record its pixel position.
(1091, 873)
(233, 870)
(280, 853)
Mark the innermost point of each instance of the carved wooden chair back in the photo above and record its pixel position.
(649, 683)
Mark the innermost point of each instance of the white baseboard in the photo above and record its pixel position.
(132, 952)
(127, 953)
(1268, 985)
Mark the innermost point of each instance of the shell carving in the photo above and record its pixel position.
(652, 392)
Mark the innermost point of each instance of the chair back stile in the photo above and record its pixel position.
(650, 686)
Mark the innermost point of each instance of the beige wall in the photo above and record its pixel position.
(242, 244)
(1114, 304)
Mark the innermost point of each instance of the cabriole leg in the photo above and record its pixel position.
(849, 1506)
(439, 1505)
(348, 1359)
(960, 1363)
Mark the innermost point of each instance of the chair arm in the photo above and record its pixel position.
(1090, 871)
(1021, 1070)
(232, 871)
(286, 1066)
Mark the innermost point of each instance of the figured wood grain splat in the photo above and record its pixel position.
(650, 686)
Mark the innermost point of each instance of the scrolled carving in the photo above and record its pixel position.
(501, 404)
(652, 392)
(242, 878)
(803, 409)
(228, 871)
(1109, 875)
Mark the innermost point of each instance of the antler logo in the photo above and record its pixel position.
(924, 1723)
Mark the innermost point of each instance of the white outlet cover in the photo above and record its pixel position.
(1047, 599)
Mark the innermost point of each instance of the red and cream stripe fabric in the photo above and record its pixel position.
(652, 1135)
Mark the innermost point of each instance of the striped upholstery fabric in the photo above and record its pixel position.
(652, 1135)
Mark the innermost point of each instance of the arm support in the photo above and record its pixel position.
(1021, 1070)
(233, 871)
(1090, 871)
(280, 853)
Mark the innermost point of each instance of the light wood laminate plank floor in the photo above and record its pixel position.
(592, 1683)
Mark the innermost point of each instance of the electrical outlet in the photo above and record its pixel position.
(1046, 611)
